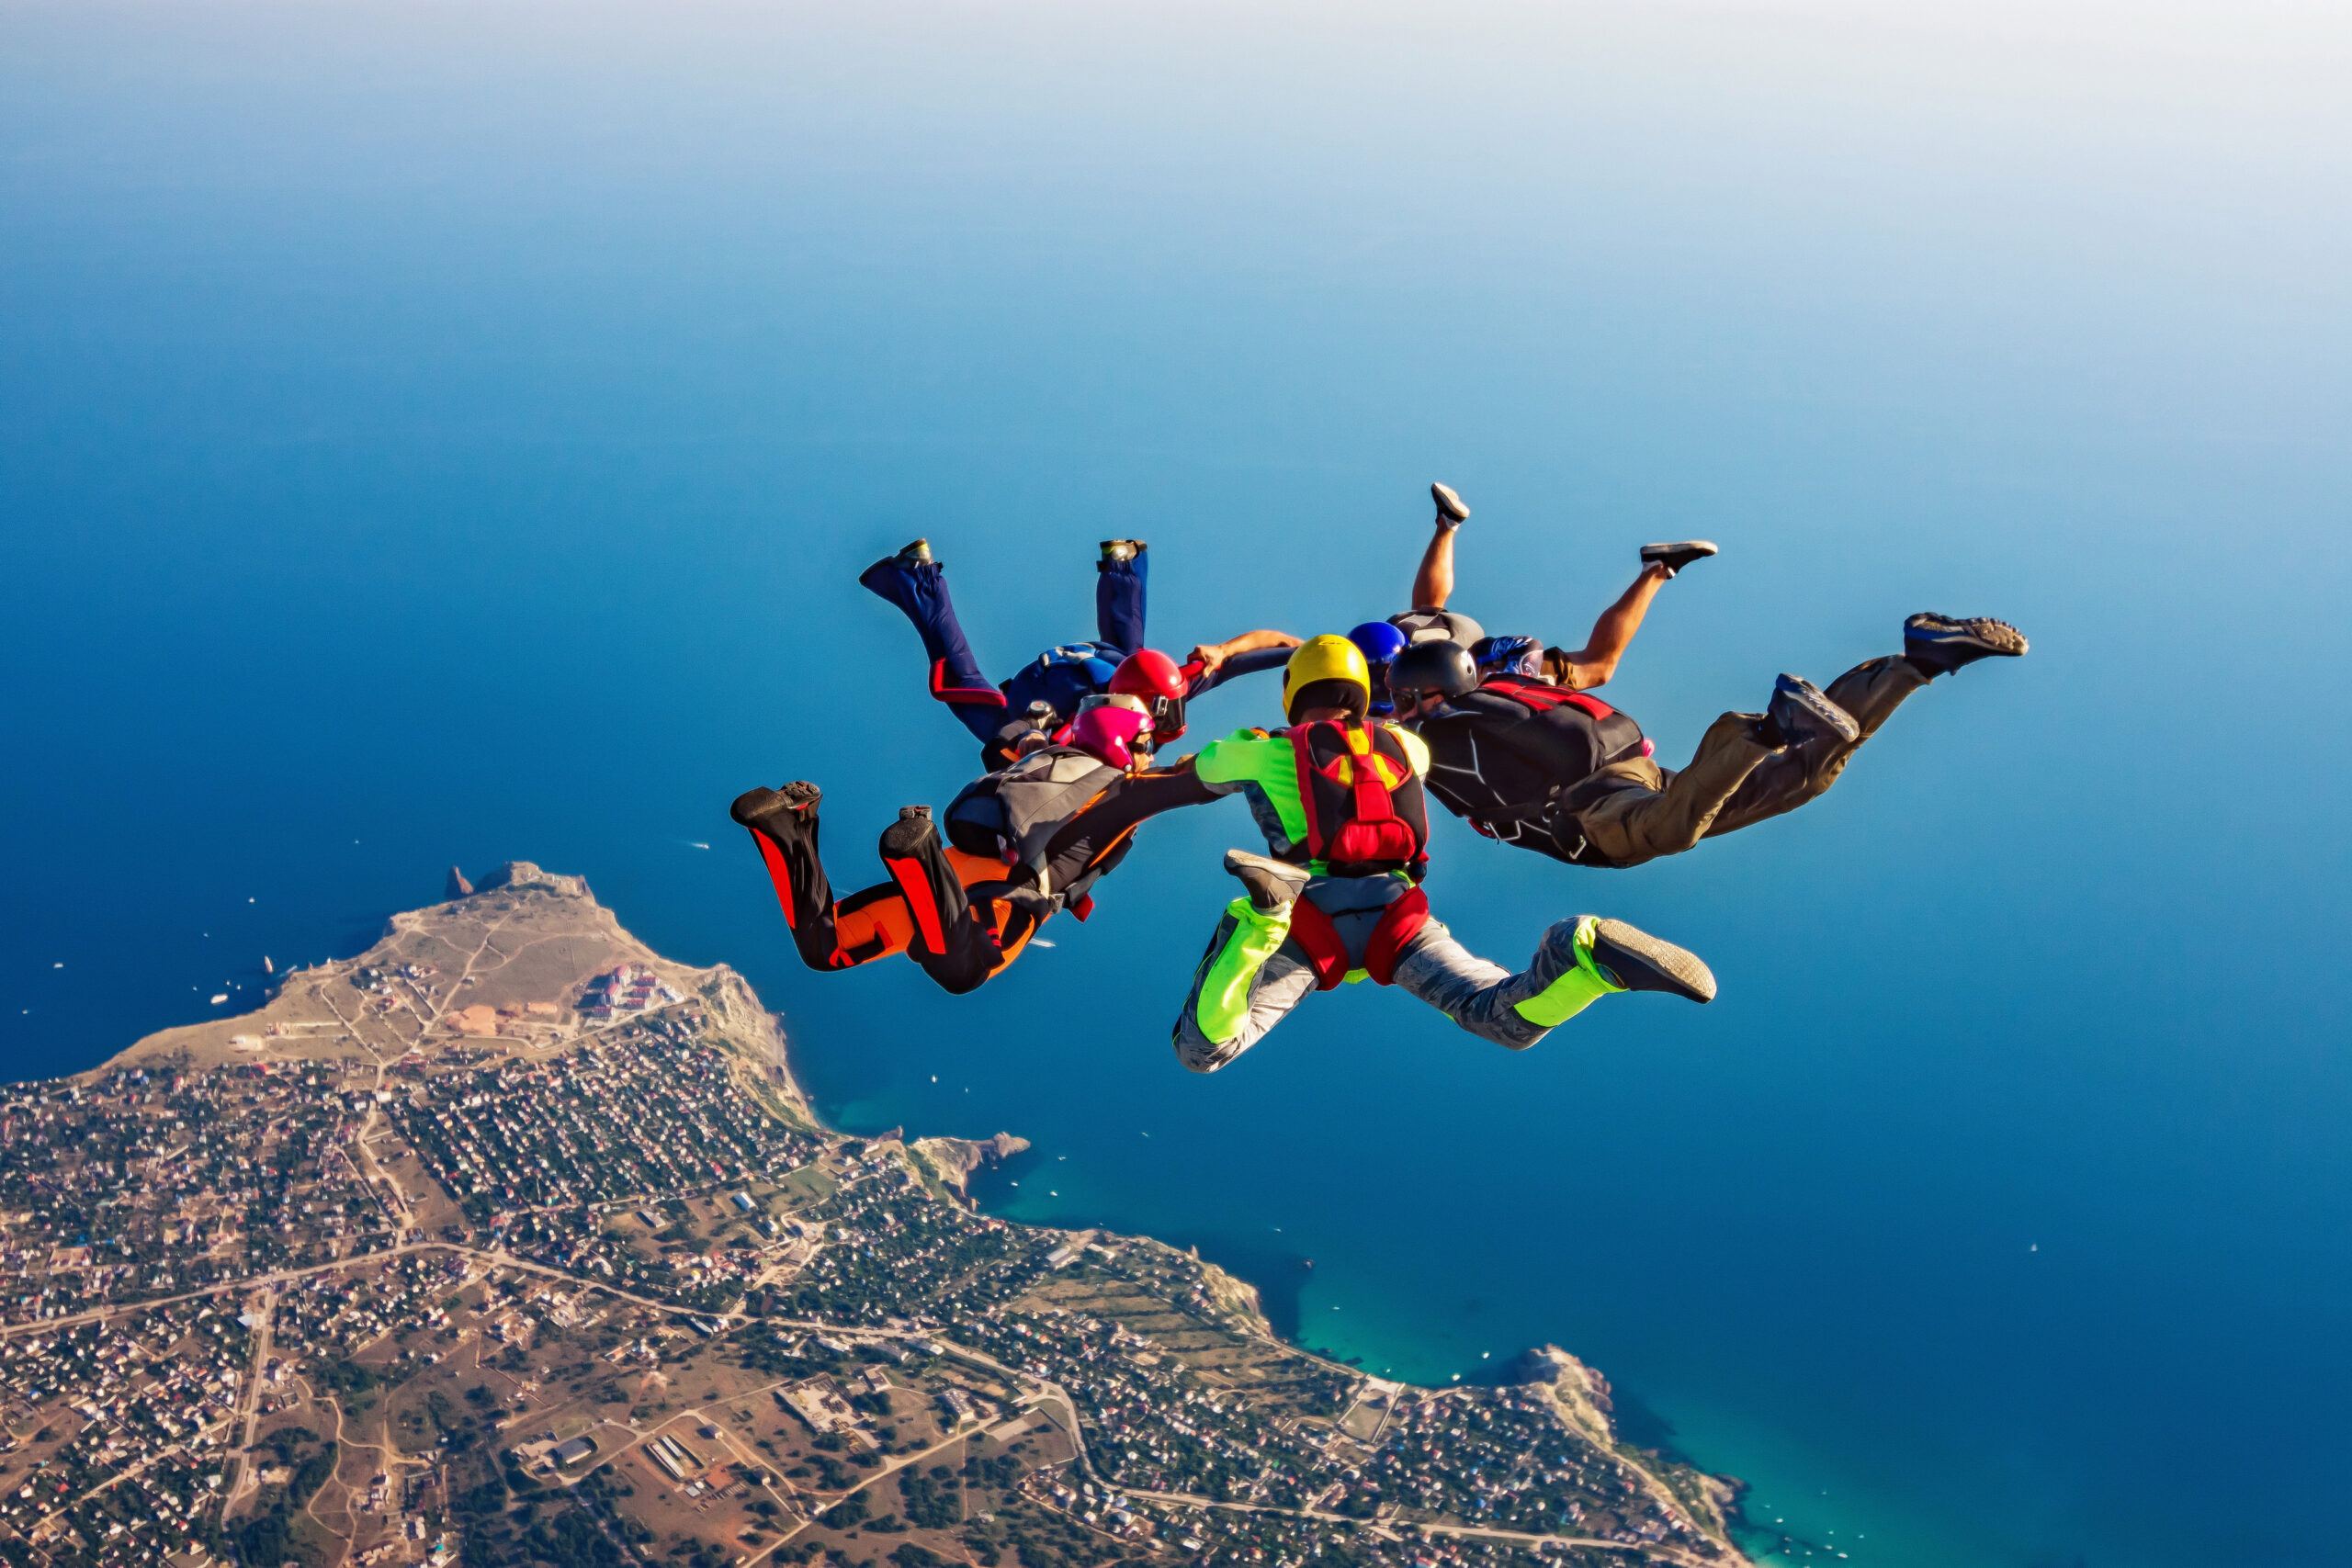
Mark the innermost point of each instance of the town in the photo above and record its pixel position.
(509, 1242)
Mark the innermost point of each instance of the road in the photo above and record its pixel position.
(1185, 1499)
(362, 1259)
(249, 1403)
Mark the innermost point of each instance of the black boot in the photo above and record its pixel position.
(777, 812)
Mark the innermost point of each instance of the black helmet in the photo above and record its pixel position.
(1436, 666)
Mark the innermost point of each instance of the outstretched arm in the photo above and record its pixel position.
(1594, 663)
(1245, 654)
(1088, 839)
(1210, 655)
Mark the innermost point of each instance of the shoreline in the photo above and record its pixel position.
(337, 1006)
(1285, 1327)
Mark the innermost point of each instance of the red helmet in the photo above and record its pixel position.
(1154, 677)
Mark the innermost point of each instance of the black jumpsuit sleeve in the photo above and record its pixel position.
(1130, 801)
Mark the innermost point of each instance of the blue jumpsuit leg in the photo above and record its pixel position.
(1119, 602)
(920, 591)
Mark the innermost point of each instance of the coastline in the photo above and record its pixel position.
(1267, 1285)
(339, 1007)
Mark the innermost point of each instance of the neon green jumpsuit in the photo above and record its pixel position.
(1254, 973)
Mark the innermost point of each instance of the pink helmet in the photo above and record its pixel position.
(1108, 726)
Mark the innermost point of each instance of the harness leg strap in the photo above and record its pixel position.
(1312, 928)
(1399, 924)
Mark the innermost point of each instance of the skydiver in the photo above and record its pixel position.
(1045, 693)
(1338, 799)
(1525, 757)
(1021, 844)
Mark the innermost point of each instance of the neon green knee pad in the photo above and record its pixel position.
(1574, 991)
(1223, 1004)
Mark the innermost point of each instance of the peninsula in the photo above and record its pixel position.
(510, 1241)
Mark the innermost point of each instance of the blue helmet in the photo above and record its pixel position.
(1379, 642)
(1509, 656)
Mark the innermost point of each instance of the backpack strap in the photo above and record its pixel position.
(1368, 787)
(1303, 759)
(1372, 803)
(1544, 699)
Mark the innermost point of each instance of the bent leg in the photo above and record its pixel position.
(918, 863)
(1593, 664)
(1515, 1010)
(1637, 814)
(1870, 692)
(955, 940)
(977, 951)
(1433, 581)
(865, 926)
(1119, 601)
(1246, 982)
(920, 591)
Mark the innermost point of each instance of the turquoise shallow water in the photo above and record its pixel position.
(451, 436)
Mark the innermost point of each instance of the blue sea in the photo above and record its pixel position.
(439, 434)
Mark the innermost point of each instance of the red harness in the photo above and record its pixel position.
(1349, 776)
(1313, 930)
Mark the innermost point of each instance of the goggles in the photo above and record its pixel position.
(1166, 715)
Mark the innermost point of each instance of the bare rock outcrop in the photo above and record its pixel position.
(952, 1160)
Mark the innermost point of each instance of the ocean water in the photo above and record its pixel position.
(437, 434)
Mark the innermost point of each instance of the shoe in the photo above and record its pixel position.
(1676, 556)
(912, 823)
(916, 554)
(1941, 644)
(1273, 884)
(1123, 549)
(1799, 711)
(1451, 513)
(763, 808)
(1640, 962)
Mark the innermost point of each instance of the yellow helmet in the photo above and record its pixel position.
(1327, 658)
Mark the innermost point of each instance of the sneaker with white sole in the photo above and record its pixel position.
(1451, 513)
(1274, 885)
(1640, 962)
(1941, 644)
(1676, 556)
